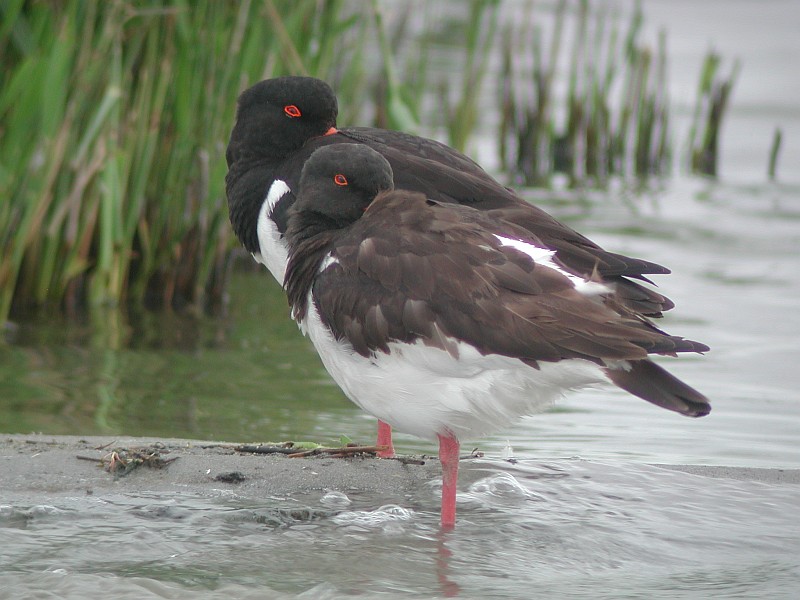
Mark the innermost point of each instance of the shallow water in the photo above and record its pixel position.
(604, 525)
(564, 528)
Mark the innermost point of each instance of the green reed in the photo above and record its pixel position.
(774, 151)
(714, 92)
(615, 116)
(462, 112)
(114, 118)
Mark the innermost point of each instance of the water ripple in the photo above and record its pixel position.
(566, 528)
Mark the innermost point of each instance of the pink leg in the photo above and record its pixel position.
(385, 439)
(448, 456)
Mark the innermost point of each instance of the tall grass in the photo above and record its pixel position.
(616, 116)
(713, 94)
(462, 111)
(114, 118)
(409, 86)
(616, 120)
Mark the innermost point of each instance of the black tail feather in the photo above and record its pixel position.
(641, 299)
(654, 384)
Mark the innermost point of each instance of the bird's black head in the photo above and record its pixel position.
(340, 181)
(277, 116)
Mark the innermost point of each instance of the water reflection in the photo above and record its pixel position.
(251, 376)
(447, 587)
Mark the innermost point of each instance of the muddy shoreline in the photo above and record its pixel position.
(53, 465)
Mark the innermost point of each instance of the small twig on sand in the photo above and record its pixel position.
(266, 449)
(294, 450)
(340, 452)
(91, 458)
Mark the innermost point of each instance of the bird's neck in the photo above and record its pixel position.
(311, 237)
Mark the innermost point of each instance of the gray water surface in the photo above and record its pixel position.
(553, 529)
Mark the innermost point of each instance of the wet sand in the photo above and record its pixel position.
(49, 465)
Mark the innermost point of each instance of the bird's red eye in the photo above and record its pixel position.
(340, 179)
(292, 111)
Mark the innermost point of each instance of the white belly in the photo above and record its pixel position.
(426, 391)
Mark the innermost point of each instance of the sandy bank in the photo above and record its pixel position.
(50, 465)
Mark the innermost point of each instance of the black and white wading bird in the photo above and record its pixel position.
(446, 322)
(281, 122)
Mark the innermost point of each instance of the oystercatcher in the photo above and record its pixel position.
(448, 322)
(280, 122)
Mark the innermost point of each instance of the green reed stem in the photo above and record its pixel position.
(114, 119)
(772, 167)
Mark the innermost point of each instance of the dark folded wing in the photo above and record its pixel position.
(444, 174)
(412, 269)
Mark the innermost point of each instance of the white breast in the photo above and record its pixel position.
(273, 252)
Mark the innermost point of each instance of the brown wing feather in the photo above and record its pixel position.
(413, 269)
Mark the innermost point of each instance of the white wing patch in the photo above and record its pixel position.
(273, 254)
(328, 261)
(544, 258)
